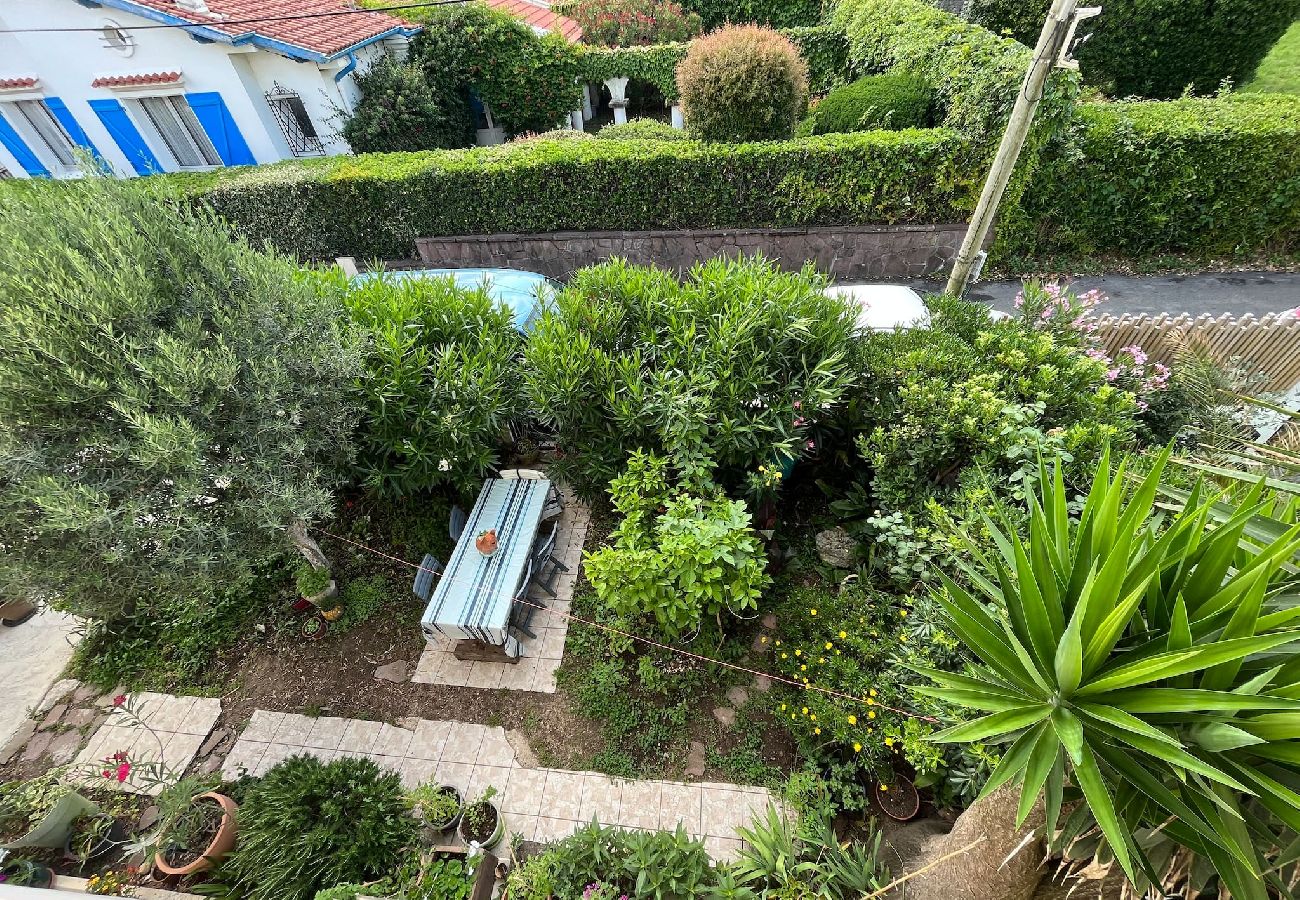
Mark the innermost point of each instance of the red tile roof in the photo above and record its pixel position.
(113, 81)
(7, 84)
(326, 35)
(539, 15)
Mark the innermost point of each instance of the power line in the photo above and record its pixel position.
(644, 640)
(221, 23)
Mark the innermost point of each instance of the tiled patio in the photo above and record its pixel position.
(540, 656)
(177, 728)
(539, 804)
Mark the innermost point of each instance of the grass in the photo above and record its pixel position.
(1280, 71)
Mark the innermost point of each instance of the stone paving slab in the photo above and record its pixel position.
(31, 657)
(540, 804)
(540, 656)
(171, 729)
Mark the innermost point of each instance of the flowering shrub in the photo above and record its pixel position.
(629, 23)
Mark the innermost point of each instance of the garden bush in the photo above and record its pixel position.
(400, 110)
(642, 130)
(308, 825)
(727, 367)
(201, 403)
(876, 101)
(441, 380)
(1209, 177)
(742, 83)
(1158, 48)
(776, 13)
(375, 206)
(628, 23)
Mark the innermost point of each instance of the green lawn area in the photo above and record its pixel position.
(1280, 70)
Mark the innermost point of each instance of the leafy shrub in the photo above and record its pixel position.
(642, 130)
(200, 406)
(742, 83)
(1131, 182)
(876, 101)
(376, 206)
(1159, 48)
(438, 878)
(728, 367)
(400, 110)
(697, 556)
(441, 380)
(362, 598)
(308, 825)
(311, 580)
(776, 13)
(784, 858)
(627, 23)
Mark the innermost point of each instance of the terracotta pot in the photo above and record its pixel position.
(221, 844)
(900, 800)
(486, 542)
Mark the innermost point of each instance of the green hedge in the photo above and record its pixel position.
(1205, 177)
(824, 48)
(874, 101)
(376, 205)
(777, 13)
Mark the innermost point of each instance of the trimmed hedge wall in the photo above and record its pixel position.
(1205, 176)
(377, 205)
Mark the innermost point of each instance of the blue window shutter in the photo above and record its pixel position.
(128, 138)
(15, 145)
(64, 115)
(216, 120)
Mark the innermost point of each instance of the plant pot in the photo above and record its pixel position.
(53, 830)
(900, 801)
(221, 844)
(25, 873)
(322, 600)
(315, 628)
(486, 542)
(477, 840)
(115, 837)
(450, 823)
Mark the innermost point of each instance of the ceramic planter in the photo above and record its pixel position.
(222, 842)
(451, 822)
(53, 830)
(494, 838)
(900, 801)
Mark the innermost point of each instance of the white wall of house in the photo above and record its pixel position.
(66, 64)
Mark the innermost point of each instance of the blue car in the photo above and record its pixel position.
(526, 293)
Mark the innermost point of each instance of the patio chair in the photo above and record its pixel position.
(456, 524)
(423, 586)
(525, 474)
(524, 607)
(546, 568)
(554, 504)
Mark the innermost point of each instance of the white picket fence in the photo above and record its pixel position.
(1269, 345)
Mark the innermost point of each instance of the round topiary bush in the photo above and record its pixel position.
(877, 101)
(308, 825)
(742, 83)
(642, 130)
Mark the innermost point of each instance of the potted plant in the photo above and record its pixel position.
(437, 806)
(315, 628)
(318, 589)
(39, 812)
(196, 828)
(486, 542)
(898, 798)
(24, 873)
(481, 823)
(91, 836)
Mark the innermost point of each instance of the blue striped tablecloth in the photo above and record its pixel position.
(473, 597)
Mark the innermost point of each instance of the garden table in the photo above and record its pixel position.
(474, 596)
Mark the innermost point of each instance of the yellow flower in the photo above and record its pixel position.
(778, 643)
(903, 638)
(853, 720)
(813, 717)
(837, 652)
(822, 660)
(798, 653)
(762, 639)
(805, 710)
(903, 613)
(803, 668)
(889, 742)
(812, 612)
(871, 714)
(857, 748)
(873, 692)
(870, 702)
(782, 707)
(884, 788)
(843, 635)
(817, 731)
(829, 645)
(784, 656)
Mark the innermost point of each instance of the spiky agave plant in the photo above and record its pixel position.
(1137, 656)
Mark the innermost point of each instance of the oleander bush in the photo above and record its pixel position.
(400, 109)
(642, 130)
(742, 83)
(874, 101)
(1216, 176)
(727, 368)
(308, 825)
(630, 23)
(1158, 48)
(377, 205)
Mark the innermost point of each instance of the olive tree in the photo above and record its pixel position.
(173, 402)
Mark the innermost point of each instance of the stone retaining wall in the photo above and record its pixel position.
(847, 253)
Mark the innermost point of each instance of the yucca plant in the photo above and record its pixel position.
(1134, 654)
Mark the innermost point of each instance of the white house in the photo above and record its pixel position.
(215, 89)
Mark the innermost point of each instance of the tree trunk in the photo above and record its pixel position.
(983, 872)
(307, 546)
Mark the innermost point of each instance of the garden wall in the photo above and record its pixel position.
(845, 252)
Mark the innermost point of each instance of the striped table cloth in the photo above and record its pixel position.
(473, 597)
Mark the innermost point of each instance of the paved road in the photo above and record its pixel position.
(1236, 293)
(31, 658)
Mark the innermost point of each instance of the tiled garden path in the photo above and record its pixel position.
(177, 728)
(540, 656)
(539, 804)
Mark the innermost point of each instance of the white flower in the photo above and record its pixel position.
(222, 481)
(444, 465)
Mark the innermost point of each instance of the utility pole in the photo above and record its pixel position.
(1053, 43)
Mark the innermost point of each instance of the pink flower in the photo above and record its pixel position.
(119, 700)
(108, 774)
(122, 772)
